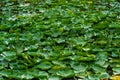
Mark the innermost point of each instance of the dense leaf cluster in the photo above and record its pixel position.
(57, 39)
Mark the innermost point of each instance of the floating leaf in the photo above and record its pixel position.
(54, 78)
(9, 55)
(65, 73)
(98, 69)
(44, 65)
(79, 67)
(114, 25)
(116, 70)
(104, 76)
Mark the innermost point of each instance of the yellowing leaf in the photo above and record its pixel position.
(115, 77)
(57, 67)
(89, 2)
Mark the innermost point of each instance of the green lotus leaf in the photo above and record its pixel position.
(94, 77)
(53, 71)
(104, 76)
(38, 73)
(114, 54)
(35, 54)
(43, 78)
(2, 47)
(102, 63)
(54, 78)
(1, 66)
(79, 67)
(116, 70)
(44, 65)
(80, 74)
(59, 64)
(2, 78)
(56, 33)
(57, 48)
(82, 58)
(97, 49)
(6, 73)
(42, 74)
(66, 73)
(27, 75)
(114, 25)
(79, 41)
(98, 69)
(59, 39)
(102, 25)
(2, 38)
(74, 57)
(103, 56)
(58, 67)
(32, 47)
(86, 49)
(3, 27)
(66, 52)
(9, 55)
(18, 65)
